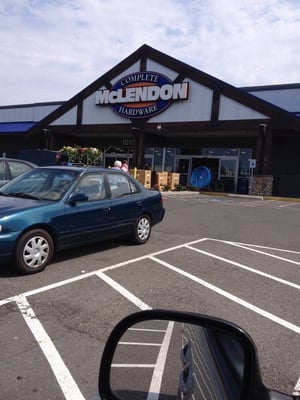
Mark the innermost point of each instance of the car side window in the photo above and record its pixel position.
(17, 168)
(133, 188)
(120, 185)
(93, 186)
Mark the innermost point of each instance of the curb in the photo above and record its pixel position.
(242, 196)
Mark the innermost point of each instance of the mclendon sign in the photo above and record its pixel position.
(142, 94)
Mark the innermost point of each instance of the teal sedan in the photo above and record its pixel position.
(48, 209)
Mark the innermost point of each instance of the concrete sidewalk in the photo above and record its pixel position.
(247, 196)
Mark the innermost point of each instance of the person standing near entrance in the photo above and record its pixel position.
(124, 166)
(117, 164)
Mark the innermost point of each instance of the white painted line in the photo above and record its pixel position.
(124, 292)
(230, 296)
(296, 391)
(154, 390)
(250, 245)
(264, 253)
(258, 246)
(245, 267)
(47, 287)
(60, 370)
(288, 205)
(157, 375)
(93, 273)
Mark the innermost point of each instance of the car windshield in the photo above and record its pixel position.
(40, 184)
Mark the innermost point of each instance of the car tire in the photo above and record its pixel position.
(34, 251)
(142, 229)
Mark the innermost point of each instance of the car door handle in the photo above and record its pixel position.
(139, 203)
(106, 210)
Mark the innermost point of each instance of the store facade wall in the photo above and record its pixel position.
(155, 111)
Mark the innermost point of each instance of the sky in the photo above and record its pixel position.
(52, 49)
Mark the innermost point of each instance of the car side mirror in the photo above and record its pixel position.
(159, 354)
(77, 197)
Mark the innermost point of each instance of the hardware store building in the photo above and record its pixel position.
(156, 111)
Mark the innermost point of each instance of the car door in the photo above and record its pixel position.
(126, 201)
(88, 220)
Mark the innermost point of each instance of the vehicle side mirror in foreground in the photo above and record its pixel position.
(165, 355)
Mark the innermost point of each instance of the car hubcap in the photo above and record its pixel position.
(36, 251)
(143, 229)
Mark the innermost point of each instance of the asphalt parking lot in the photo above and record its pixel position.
(233, 258)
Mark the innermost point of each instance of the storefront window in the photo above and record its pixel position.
(149, 150)
(245, 155)
(219, 151)
(190, 151)
(158, 158)
(228, 168)
(169, 159)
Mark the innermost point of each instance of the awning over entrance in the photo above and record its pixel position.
(15, 127)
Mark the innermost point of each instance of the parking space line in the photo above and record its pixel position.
(257, 246)
(288, 205)
(245, 267)
(229, 296)
(263, 252)
(62, 374)
(296, 391)
(124, 292)
(156, 380)
(60, 370)
(93, 273)
(159, 366)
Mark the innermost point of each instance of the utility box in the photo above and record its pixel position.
(144, 177)
(173, 179)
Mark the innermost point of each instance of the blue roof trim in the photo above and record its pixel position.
(15, 127)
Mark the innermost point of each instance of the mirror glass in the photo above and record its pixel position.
(166, 360)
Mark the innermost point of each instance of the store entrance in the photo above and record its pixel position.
(223, 169)
(228, 173)
(185, 165)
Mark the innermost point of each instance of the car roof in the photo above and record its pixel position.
(18, 159)
(82, 169)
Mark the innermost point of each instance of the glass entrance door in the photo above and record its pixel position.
(149, 161)
(223, 169)
(228, 173)
(183, 166)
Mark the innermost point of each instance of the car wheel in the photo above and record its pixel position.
(142, 230)
(34, 251)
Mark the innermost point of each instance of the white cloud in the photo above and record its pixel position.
(50, 50)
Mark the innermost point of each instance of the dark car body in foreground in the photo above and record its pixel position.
(11, 167)
(53, 208)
